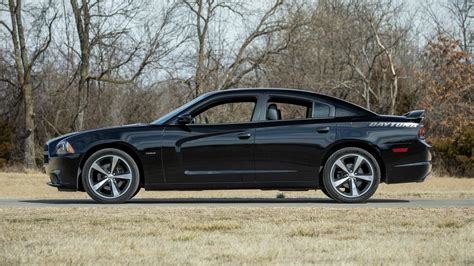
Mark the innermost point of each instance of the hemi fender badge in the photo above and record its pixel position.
(150, 153)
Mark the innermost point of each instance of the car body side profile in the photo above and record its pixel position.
(278, 139)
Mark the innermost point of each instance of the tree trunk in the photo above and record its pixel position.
(202, 34)
(30, 154)
(367, 96)
(23, 70)
(82, 97)
(81, 104)
(393, 98)
(394, 85)
(82, 19)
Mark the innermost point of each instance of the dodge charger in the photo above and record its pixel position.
(279, 139)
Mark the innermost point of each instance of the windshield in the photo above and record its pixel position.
(178, 110)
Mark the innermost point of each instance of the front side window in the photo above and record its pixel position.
(225, 113)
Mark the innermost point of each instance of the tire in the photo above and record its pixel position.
(323, 189)
(106, 185)
(136, 192)
(345, 184)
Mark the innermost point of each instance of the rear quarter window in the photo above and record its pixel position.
(343, 111)
(321, 110)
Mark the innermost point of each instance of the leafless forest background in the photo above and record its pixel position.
(69, 65)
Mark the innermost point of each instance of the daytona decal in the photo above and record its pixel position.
(392, 124)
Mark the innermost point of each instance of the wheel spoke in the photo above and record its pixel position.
(341, 181)
(354, 190)
(357, 163)
(114, 163)
(100, 184)
(101, 170)
(368, 178)
(124, 176)
(114, 188)
(341, 165)
(110, 176)
(352, 175)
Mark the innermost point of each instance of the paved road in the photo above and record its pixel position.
(242, 202)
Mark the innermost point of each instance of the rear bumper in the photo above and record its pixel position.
(414, 172)
(63, 172)
(413, 166)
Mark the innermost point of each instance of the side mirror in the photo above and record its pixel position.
(184, 119)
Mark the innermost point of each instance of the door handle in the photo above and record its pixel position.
(244, 135)
(323, 130)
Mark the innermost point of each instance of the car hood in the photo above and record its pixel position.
(53, 142)
(111, 128)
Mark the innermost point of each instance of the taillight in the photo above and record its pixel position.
(421, 132)
(398, 150)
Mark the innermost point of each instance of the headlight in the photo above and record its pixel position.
(63, 147)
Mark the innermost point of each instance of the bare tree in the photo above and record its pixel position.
(349, 49)
(462, 12)
(379, 24)
(453, 18)
(24, 63)
(106, 40)
(221, 67)
(388, 33)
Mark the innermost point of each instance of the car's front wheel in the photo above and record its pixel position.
(351, 175)
(110, 176)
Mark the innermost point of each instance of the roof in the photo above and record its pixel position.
(328, 98)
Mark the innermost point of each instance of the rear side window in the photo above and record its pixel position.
(280, 108)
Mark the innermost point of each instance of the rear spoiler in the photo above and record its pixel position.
(416, 115)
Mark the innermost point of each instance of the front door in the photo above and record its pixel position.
(217, 147)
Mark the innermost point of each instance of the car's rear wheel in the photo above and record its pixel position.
(110, 176)
(323, 189)
(351, 175)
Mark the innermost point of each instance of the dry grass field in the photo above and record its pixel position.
(33, 186)
(236, 235)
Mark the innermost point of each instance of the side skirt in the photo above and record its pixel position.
(289, 186)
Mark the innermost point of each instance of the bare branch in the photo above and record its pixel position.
(6, 27)
(45, 45)
(10, 82)
(261, 29)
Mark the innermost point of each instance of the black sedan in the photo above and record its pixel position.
(246, 139)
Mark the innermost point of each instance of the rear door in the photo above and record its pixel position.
(290, 139)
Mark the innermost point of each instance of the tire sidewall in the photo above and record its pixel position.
(327, 175)
(135, 181)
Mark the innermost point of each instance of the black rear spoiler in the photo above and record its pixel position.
(416, 115)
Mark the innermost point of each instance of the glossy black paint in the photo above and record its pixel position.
(281, 154)
(208, 153)
(295, 148)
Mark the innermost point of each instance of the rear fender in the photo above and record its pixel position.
(369, 147)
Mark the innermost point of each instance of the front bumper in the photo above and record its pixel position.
(63, 172)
